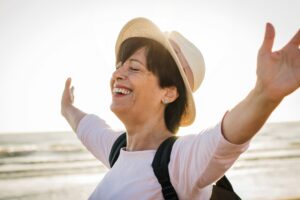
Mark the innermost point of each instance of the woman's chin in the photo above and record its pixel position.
(118, 109)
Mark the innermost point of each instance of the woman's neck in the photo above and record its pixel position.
(146, 136)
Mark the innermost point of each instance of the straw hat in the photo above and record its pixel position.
(142, 27)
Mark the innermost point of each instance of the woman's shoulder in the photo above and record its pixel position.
(209, 132)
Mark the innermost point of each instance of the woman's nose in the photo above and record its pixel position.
(120, 73)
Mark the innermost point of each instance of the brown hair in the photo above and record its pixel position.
(161, 64)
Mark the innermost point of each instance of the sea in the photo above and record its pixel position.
(55, 165)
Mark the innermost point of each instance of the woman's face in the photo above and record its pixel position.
(135, 90)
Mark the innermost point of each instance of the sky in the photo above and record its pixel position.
(44, 42)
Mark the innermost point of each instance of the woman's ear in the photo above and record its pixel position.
(170, 95)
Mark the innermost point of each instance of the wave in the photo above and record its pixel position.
(36, 154)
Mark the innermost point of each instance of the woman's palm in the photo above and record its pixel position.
(278, 72)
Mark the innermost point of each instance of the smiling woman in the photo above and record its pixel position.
(152, 95)
(146, 70)
(135, 81)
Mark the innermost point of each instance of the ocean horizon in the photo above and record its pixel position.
(55, 165)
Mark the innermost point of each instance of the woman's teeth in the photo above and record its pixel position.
(121, 91)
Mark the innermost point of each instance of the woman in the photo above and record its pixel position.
(152, 89)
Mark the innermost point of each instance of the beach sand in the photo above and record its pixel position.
(48, 166)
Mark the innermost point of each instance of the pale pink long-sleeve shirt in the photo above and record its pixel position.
(196, 162)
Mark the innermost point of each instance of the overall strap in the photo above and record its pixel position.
(115, 150)
(160, 167)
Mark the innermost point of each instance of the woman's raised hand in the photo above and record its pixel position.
(72, 114)
(278, 73)
(67, 99)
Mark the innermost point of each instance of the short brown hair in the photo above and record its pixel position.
(161, 64)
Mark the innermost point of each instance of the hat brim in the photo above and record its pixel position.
(142, 27)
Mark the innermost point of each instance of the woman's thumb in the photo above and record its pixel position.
(268, 39)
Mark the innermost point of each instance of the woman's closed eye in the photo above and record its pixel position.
(134, 68)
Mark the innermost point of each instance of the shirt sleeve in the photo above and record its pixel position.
(97, 137)
(199, 160)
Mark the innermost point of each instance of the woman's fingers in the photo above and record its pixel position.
(296, 39)
(72, 94)
(68, 83)
(268, 39)
(68, 94)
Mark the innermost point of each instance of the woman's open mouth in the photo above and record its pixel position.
(121, 91)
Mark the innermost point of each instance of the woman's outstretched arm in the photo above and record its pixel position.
(72, 114)
(278, 75)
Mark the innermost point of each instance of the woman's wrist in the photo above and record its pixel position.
(68, 110)
(264, 97)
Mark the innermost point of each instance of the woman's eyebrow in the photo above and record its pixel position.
(135, 60)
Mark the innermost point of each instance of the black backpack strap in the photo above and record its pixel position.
(223, 190)
(160, 167)
(225, 183)
(115, 150)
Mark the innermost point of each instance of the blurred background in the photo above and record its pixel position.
(44, 42)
